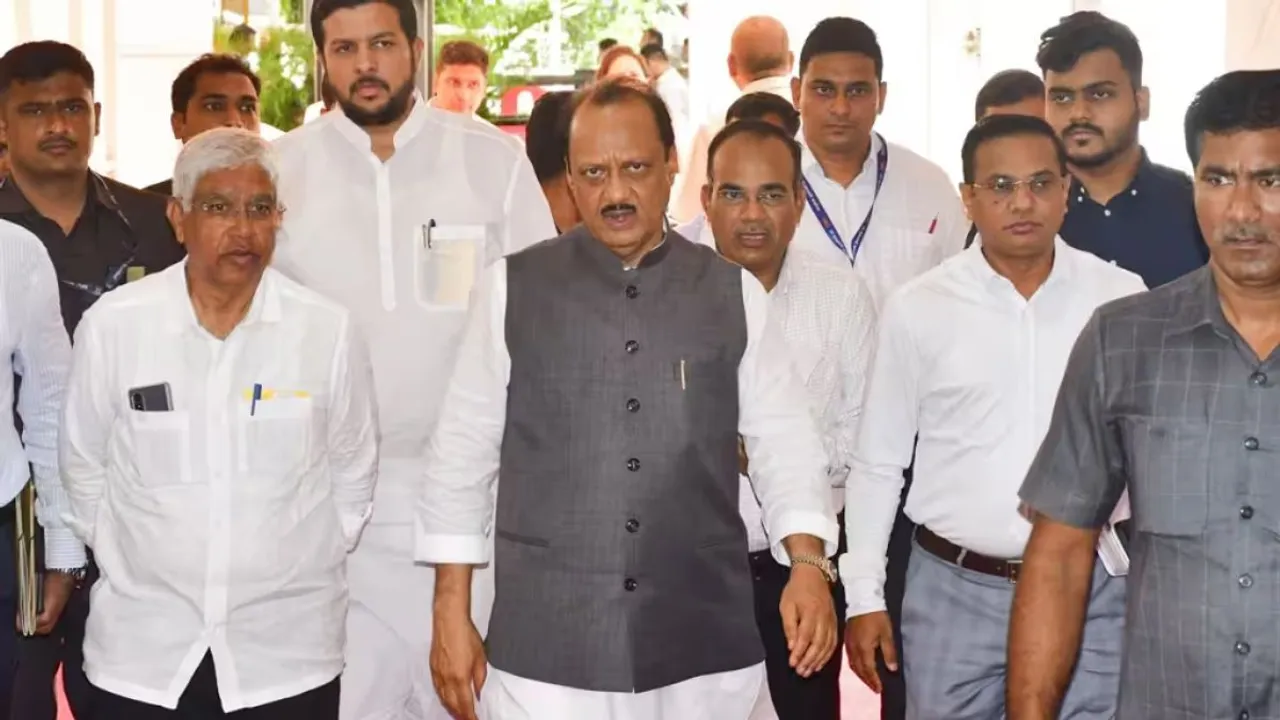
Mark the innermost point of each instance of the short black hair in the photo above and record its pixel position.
(842, 35)
(1002, 126)
(1236, 101)
(617, 90)
(606, 43)
(1081, 33)
(184, 86)
(1007, 87)
(463, 52)
(759, 105)
(546, 135)
(760, 130)
(322, 9)
(658, 38)
(653, 50)
(41, 60)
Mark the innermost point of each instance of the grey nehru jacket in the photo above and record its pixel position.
(620, 556)
(1163, 395)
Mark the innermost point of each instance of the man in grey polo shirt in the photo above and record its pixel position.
(1175, 394)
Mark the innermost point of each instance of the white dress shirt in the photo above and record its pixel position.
(223, 525)
(918, 220)
(972, 368)
(35, 345)
(686, 201)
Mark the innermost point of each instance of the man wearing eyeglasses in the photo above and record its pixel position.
(969, 359)
(99, 233)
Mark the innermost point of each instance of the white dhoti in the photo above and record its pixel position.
(388, 675)
(724, 696)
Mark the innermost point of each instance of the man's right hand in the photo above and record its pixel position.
(865, 635)
(458, 663)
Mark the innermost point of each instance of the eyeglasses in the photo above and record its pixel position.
(1006, 188)
(254, 210)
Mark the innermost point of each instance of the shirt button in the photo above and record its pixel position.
(1244, 715)
(629, 585)
(1107, 213)
(633, 405)
(632, 346)
(1246, 512)
(1242, 647)
(1259, 379)
(633, 464)
(1246, 581)
(1251, 443)
(633, 292)
(633, 525)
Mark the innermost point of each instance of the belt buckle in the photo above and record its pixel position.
(1012, 569)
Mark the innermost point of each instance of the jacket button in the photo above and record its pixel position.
(633, 525)
(1246, 512)
(633, 465)
(632, 346)
(1251, 443)
(633, 292)
(1259, 379)
(633, 405)
(629, 585)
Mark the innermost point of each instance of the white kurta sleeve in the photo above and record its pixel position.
(886, 441)
(786, 462)
(87, 418)
(353, 434)
(43, 358)
(455, 509)
(527, 216)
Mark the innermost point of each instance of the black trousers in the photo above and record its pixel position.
(816, 697)
(200, 701)
(893, 701)
(40, 656)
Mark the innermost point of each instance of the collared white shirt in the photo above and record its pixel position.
(918, 220)
(400, 244)
(34, 344)
(828, 323)
(686, 201)
(972, 368)
(223, 525)
(674, 91)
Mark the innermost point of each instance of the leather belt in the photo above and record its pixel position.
(948, 551)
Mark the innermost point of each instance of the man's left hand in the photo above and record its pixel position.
(58, 587)
(808, 619)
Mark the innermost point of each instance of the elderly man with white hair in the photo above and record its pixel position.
(219, 455)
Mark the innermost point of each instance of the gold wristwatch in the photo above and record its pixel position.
(827, 567)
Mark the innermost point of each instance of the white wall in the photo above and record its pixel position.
(136, 47)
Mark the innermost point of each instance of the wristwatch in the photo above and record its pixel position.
(77, 574)
(827, 567)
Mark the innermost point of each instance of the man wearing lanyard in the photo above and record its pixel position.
(883, 208)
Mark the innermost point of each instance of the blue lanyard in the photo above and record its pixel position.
(855, 243)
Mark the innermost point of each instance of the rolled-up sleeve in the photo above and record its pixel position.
(788, 465)
(43, 358)
(455, 508)
(86, 429)
(353, 435)
(1078, 475)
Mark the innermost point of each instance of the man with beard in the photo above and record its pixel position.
(394, 208)
(603, 381)
(1122, 207)
(1174, 395)
(99, 234)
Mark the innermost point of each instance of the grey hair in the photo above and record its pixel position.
(220, 149)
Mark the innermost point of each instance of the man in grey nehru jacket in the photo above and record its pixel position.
(603, 381)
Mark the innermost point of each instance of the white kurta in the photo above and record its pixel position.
(789, 475)
(400, 243)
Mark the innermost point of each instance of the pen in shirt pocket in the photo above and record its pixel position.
(257, 395)
(426, 233)
(933, 225)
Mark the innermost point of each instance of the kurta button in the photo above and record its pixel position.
(1242, 647)
(1244, 715)
(633, 525)
(1259, 379)
(633, 405)
(633, 292)
(632, 346)
(1246, 581)
(1251, 443)
(633, 464)
(1246, 512)
(629, 585)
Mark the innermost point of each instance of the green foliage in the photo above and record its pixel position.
(283, 60)
(291, 11)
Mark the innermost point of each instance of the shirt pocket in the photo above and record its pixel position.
(275, 436)
(1169, 474)
(447, 260)
(161, 447)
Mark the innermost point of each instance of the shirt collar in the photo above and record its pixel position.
(777, 84)
(1140, 183)
(13, 202)
(264, 308)
(1199, 305)
(1063, 270)
(409, 129)
(810, 166)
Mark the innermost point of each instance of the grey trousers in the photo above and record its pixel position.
(955, 628)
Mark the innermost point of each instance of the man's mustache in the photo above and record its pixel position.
(370, 80)
(617, 208)
(1244, 233)
(56, 141)
(1085, 127)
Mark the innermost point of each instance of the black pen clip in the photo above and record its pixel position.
(426, 231)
